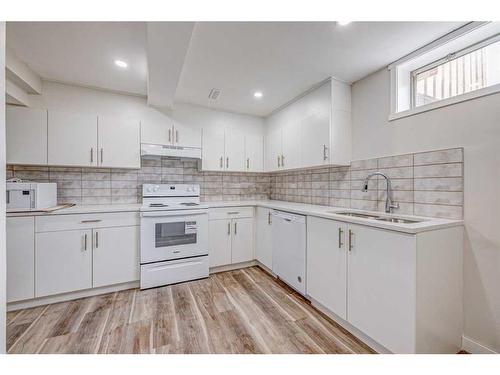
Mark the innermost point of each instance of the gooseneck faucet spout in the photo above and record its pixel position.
(389, 204)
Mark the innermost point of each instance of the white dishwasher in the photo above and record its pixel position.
(289, 249)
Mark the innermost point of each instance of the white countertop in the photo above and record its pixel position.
(328, 212)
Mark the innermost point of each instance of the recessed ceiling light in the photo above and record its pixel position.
(121, 63)
(257, 94)
(343, 23)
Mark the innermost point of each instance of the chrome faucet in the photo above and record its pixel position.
(389, 204)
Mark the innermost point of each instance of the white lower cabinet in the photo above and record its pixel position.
(231, 235)
(20, 258)
(63, 262)
(115, 256)
(404, 291)
(263, 237)
(326, 264)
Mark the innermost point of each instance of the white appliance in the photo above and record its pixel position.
(30, 196)
(174, 235)
(148, 149)
(289, 249)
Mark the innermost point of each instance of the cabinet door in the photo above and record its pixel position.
(72, 139)
(119, 142)
(20, 258)
(213, 149)
(315, 139)
(264, 244)
(291, 144)
(381, 286)
(26, 135)
(186, 136)
(156, 131)
(219, 235)
(234, 151)
(242, 244)
(273, 149)
(254, 153)
(115, 255)
(327, 263)
(63, 262)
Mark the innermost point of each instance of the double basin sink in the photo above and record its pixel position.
(389, 219)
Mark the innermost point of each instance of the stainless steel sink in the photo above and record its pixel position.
(398, 220)
(355, 214)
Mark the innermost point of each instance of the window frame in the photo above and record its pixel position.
(449, 57)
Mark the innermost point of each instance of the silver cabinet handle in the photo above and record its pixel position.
(170, 135)
(341, 232)
(227, 162)
(221, 162)
(91, 154)
(269, 221)
(282, 160)
(278, 161)
(96, 239)
(176, 136)
(233, 212)
(350, 240)
(85, 242)
(248, 163)
(324, 152)
(235, 227)
(7, 198)
(229, 228)
(90, 221)
(102, 153)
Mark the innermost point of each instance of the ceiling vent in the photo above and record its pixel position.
(214, 94)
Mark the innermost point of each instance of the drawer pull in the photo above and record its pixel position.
(90, 221)
(340, 238)
(233, 213)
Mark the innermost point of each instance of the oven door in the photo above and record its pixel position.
(169, 235)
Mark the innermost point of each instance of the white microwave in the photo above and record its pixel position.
(31, 196)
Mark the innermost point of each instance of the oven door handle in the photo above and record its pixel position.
(174, 213)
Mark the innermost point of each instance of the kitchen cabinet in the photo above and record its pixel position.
(119, 142)
(63, 262)
(169, 132)
(404, 291)
(273, 149)
(291, 145)
(186, 136)
(263, 237)
(72, 139)
(242, 240)
(327, 264)
(20, 238)
(254, 153)
(234, 151)
(115, 255)
(231, 235)
(213, 149)
(219, 239)
(26, 135)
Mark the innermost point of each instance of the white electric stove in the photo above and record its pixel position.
(174, 235)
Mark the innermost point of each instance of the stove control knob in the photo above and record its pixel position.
(156, 188)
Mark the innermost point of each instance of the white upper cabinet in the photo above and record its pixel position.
(234, 160)
(213, 149)
(119, 142)
(186, 136)
(312, 131)
(156, 132)
(254, 153)
(72, 139)
(26, 135)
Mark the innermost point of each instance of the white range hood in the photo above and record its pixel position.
(152, 150)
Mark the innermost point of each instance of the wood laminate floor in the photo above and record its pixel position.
(243, 311)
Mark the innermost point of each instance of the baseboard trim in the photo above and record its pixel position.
(232, 267)
(474, 347)
(12, 306)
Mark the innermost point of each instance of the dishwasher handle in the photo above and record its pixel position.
(288, 217)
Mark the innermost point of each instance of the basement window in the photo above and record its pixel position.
(450, 70)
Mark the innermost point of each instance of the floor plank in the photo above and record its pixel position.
(242, 311)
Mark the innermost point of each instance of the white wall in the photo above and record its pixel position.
(475, 125)
(3, 274)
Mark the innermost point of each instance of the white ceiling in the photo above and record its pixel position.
(281, 59)
(83, 53)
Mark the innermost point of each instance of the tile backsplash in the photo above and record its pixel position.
(427, 183)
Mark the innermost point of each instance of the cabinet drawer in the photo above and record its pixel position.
(174, 271)
(230, 213)
(85, 221)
